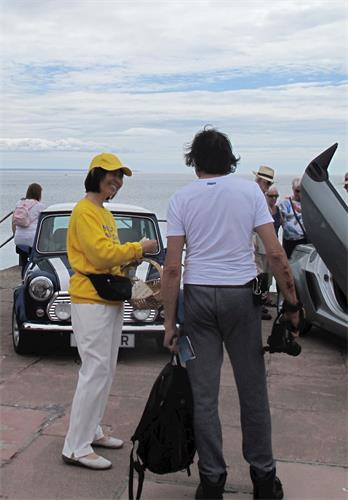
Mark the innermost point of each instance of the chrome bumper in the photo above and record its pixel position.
(39, 327)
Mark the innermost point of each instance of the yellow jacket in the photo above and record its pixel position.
(93, 247)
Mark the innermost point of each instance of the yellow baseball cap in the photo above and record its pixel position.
(110, 162)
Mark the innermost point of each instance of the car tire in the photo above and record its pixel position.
(23, 342)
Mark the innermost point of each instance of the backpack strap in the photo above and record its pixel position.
(135, 465)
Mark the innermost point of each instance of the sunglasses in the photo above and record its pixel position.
(297, 190)
(273, 196)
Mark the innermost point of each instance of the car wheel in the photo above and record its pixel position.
(22, 341)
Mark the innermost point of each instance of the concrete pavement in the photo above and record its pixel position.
(308, 402)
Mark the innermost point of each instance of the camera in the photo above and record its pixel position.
(281, 338)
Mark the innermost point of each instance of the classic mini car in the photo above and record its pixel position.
(321, 268)
(41, 309)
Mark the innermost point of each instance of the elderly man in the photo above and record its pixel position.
(291, 214)
(264, 177)
(215, 216)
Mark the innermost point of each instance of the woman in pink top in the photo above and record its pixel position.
(24, 234)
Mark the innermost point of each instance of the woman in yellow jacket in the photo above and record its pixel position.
(93, 247)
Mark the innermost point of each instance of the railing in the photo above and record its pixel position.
(11, 237)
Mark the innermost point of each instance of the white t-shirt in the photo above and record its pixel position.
(217, 217)
(26, 235)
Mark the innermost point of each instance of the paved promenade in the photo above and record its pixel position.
(308, 397)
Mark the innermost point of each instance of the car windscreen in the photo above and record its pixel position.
(53, 231)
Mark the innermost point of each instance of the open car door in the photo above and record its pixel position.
(325, 217)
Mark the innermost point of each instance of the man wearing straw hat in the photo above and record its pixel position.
(264, 177)
(215, 216)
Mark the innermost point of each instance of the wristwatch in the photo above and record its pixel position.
(292, 308)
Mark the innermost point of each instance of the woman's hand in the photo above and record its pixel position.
(149, 246)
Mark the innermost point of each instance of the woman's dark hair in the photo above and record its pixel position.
(211, 152)
(94, 178)
(34, 192)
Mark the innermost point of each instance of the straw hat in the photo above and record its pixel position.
(266, 173)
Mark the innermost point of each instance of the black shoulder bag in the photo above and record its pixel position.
(111, 287)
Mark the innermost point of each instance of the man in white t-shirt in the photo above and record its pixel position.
(215, 216)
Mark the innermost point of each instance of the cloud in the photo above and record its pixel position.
(37, 144)
(143, 77)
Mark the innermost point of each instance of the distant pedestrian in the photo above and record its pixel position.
(291, 214)
(94, 248)
(272, 196)
(264, 177)
(345, 185)
(214, 218)
(24, 222)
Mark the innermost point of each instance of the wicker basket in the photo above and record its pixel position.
(147, 294)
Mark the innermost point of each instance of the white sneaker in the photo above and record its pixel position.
(91, 461)
(108, 442)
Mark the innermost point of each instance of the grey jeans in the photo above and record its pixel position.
(215, 316)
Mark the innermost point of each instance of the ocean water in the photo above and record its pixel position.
(148, 190)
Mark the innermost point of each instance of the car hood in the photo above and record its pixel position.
(325, 217)
(57, 267)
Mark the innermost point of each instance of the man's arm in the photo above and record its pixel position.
(171, 285)
(280, 266)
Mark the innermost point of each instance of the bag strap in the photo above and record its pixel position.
(297, 218)
(135, 466)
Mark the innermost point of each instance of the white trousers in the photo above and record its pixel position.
(97, 329)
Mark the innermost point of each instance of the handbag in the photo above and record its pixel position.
(111, 287)
(147, 294)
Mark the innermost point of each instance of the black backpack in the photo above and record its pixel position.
(164, 440)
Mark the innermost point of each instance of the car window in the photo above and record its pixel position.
(53, 231)
(135, 228)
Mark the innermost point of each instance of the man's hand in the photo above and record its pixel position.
(294, 319)
(171, 338)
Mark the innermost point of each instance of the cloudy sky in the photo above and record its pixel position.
(140, 78)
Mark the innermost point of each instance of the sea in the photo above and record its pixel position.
(148, 190)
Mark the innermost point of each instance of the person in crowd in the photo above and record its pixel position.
(272, 196)
(291, 214)
(345, 184)
(215, 216)
(24, 222)
(264, 177)
(94, 248)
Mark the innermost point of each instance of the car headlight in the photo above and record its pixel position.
(40, 288)
(63, 311)
(141, 314)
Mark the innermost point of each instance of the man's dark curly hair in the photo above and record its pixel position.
(211, 152)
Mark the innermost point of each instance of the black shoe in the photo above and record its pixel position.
(211, 490)
(268, 487)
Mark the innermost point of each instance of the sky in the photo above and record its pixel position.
(139, 78)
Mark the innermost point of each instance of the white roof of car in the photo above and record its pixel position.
(114, 207)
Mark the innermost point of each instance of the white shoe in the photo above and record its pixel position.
(97, 463)
(108, 442)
